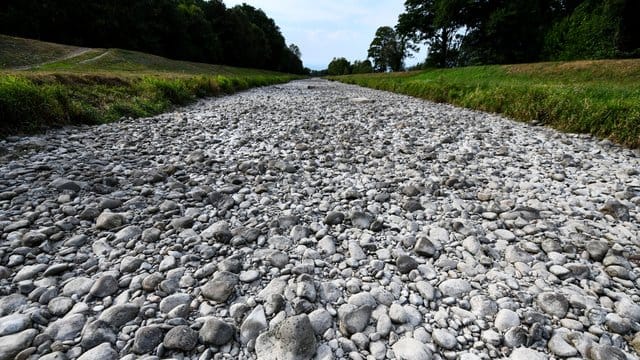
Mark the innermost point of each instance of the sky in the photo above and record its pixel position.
(324, 29)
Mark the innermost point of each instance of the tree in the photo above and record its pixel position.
(438, 24)
(196, 30)
(339, 66)
(295, 50)
(387, 50)
(505, 32)
(361, 67)
(595, 30)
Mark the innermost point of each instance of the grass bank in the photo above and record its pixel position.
(94, 86)
(597, 97)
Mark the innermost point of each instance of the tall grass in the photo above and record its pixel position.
(598, 97)
(31, 102)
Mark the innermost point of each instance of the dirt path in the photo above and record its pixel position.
(76, 53)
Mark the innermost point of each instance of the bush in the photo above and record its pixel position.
(588, 33)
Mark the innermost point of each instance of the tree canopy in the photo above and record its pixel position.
(194, 30)
(387, 50)
(339, 66)
(474, 32)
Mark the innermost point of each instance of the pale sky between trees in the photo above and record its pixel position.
(331, 28)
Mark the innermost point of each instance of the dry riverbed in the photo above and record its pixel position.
(318, 220)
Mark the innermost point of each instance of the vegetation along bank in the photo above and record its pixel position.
(93, 86)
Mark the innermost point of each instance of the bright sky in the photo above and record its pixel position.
(326, 29)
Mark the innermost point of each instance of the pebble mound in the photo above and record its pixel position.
(318, 220)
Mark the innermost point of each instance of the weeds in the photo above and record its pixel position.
(31, 102)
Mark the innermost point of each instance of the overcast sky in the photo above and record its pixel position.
(324, 29)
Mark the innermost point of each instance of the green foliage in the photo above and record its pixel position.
(471, 32)
(361, 67)
(597, 97)
(437, 23)
(387, 50)
(194, 30)
(123, 83)
(588, 33)
(339, 66)
(22, 102)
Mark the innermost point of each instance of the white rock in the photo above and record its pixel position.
(527, 354)
(411, 349)
(506, 319)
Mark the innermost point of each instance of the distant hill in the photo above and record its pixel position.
(19, 52)
(39, 56)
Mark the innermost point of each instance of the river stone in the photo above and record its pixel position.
(553, 304)
(616, 209)
(11, 345)
(516, 337)
(216, 332)
(129, 233)
(172, 301)
(118, 315)
(510, 211)
(130, 264)
(424, 247)
(11, 303)
(606, 352)
(104, 286)
(334, 218)
(14, 323)
(108, 220)
(181, 338)
(103, 351)
(253, 325)
(321, 320)
(151, 235)
(291, 339)
(527, 354)
(79, 286)
(628, 309)
(218, 290)
(61, 184)
(354, 319)
(506, 319)
(411, 349)
(218, 231)
(67, 328)
(147, 338)
(57, 355)
(560, 347)
(96, 333)
(454, 287)
(60, 305)
(597, 249)
(33, 238)
(514, 254)
(28, 272)
(483, 306)
(444, 339)
(361, 220)
(406, 263)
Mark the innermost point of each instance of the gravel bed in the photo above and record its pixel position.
(318, 220)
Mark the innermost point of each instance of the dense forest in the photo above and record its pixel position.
(194, 30)
(482, 32)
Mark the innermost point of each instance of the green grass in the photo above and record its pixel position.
(16, 51)
(97, 86)
(597, 97)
